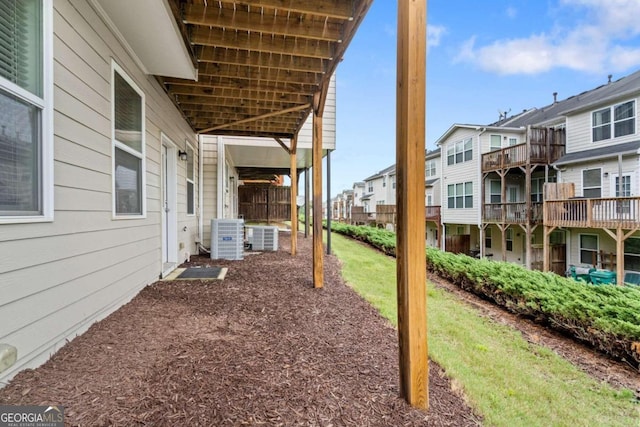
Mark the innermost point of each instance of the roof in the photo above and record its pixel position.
(366, 196)
(478, 128)
(430, 182)
(599, 153)
(386, 171)
(556, 112)
(259, 62)
(432, 154)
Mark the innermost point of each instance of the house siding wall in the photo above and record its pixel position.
(573, 173)
(305, 136)
(579, 134)
(459, 173)
(57, 278)
(210, 185)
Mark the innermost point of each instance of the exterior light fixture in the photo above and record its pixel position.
(182, 155)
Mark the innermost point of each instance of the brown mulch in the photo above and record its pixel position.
(261, 347)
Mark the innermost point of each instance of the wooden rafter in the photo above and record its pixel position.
(264, 116)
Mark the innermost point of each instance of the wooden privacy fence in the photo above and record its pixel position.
(264, 203)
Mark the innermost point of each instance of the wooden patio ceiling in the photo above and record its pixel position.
(260, 62)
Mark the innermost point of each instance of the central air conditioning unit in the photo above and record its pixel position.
(263, 238)
(227, 239)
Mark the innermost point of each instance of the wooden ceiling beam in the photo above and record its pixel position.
(239, 94)
(258, 59)
(219, 83)
(264, 116)
(231, 102)
(337, 9)
(259, 42)
(215, 120)
(283, 25)
(243, 132)
(253, 73)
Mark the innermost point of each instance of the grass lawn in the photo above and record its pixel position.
(507, 380)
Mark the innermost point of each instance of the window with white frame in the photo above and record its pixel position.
(621, 116)
(513, 141)
(626, 186)
(537, 185)
(370, 187)
(460, 196)
(128, 146)
(487, 238)
(191, 172)
(384, 181)
(588, 249)
(393, 182)
(496, 142)
(592, 183)
(632, 254)
(26, 161)
(461, 151)
(429, 200)
(495, 191)
(430, 170)
(508, 235)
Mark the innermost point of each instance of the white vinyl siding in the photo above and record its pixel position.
(84, 265)
(26, 143)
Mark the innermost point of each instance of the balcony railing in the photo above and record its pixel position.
(545, 147)
(512, 213)
(433, 213)
(594, 213)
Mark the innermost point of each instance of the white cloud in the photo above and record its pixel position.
(434, 34)
(595, 44)
(511, 12)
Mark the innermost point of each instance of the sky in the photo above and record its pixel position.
(483, 58)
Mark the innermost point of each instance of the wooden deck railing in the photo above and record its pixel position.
(513, 213)
(386, 214)
(545, 146)
(593, 213)
(433, 213)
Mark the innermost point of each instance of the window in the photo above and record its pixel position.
(379, 202)
(429, 200)
(460, 196)
(592, 183)
(128, 146)
(588, 248)
(370, 187)
(461, 151)
(496, 142)
(487, 238)
(632, 254)
(393, 182)
(509, 239)
(384, 181)
(624, 122)
(191, 208)
(495, 192)
(537, 186)
(513, 141)
(626, 186)
(26, 160)
(430, 170)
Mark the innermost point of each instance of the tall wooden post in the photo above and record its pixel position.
(318, 274)
(294, 197)
(411, 257)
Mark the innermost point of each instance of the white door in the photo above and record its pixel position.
(168, 208)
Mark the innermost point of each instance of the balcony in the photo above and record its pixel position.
(611, 212)
(545, 147)
(433, 213)
(512, 213)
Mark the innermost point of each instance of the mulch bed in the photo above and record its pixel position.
(261, 347)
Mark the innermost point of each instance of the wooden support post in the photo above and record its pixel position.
(294, 206)
(307, 217)
(620, 255)
(318, 272)
(411, 257)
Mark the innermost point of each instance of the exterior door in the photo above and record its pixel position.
(168, 207)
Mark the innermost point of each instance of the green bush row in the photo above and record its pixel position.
(605, 316)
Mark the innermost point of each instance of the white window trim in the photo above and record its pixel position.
(114, 143)
(612, 183)
(612, 122)
(46, 104)
(192, 181)
(580, 248)
(589, 188)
